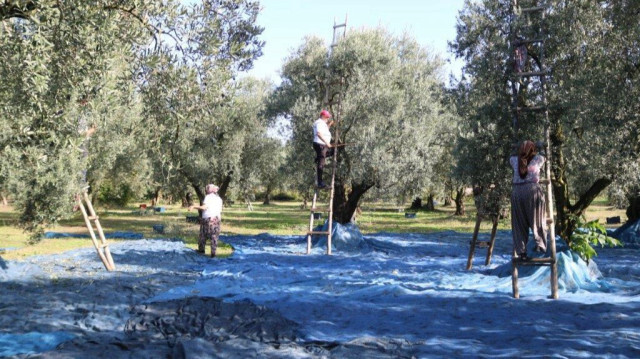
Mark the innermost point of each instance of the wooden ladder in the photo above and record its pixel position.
(541, 74)
(475, 243)
(89, 214)
(339, 31)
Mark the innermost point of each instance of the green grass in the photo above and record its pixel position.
(280, 218)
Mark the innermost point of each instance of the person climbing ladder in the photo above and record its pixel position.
(322, 144)
(527, 200)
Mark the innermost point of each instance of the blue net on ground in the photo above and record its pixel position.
(117, 234)
(629, 233)
(31, 343)
(344, 237)
(573, 274)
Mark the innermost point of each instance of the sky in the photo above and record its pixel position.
(287, 22)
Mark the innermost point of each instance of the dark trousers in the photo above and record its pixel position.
(209, 230)
(322, 152)
(528, 211)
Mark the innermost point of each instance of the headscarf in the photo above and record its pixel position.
(525, 154)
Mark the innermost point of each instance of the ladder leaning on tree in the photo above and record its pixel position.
(519, 54)
(339, 31)
(534, 11)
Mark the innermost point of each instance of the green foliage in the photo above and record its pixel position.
(592, 52)
(587, 235)
(284, 196)
(119, 195)
(69, 68)
(65, 66)
(391, 115)
(261, 165)
(199, 118)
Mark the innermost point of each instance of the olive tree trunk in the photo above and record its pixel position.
(224, 186)
(459, 200)
(567, 212)
(430, 206)
(633, 211)
(345, 201)
(267, 195)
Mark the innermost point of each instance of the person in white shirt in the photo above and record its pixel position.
(322, 143)
(211, 208)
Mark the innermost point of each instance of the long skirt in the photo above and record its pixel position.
(209, 229)
(528, 212)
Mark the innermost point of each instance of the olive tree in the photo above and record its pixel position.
(593, 54)
(262, 167)
(198, 116)
(391, 116)
(73, 68)
(64, 69)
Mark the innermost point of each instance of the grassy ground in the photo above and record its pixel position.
(278, 218)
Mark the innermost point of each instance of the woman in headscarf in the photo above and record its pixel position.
(527, 200)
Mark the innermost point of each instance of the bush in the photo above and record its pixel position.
(284, 196)
(590, 234)
(119, 195)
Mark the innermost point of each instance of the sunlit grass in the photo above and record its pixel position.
(279, 218)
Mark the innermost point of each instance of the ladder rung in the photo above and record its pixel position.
(534, 261)
(103, 245)
(313, 233)
(482, 244)
(532, 73)
(531, 108)
(534, 264)
(93, 218)
(544, 181)
(533, 9)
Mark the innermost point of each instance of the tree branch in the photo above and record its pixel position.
(586, 198)
(153, 30)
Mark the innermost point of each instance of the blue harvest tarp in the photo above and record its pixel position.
(629, 233)
(344, 237)
(125, 235)
(31, 343)
(414, 286)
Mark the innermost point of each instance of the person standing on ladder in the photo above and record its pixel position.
(527, 200)
(322, 144)
(210, 223)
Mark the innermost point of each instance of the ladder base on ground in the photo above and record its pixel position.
(89, 215)
(541, 72)
(482, 244)
(334, 160)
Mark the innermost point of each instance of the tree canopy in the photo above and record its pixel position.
(391, 114)
(592, 53)
(77, 80)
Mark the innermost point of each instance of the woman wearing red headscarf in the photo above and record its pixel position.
(527, 200)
